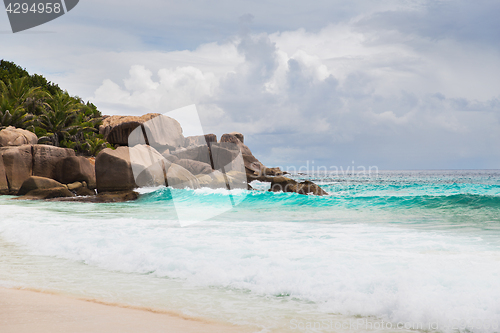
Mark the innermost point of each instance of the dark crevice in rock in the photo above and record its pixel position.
(32, 160)
(144, 134)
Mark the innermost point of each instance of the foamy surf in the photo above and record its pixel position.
(370, 252)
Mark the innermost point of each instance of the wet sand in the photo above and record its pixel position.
(25, 311)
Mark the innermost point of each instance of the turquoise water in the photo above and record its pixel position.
(415, 248)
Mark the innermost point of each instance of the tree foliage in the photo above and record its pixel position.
(33, 103)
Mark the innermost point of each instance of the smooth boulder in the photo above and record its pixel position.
(127, 168)
(38, 183)
(163, 133)
(46, 158)
(12, 136)
(75, 169)
(195, 167)
(285, 184)
(223, 154)
(49, 193)
(21, 162)
(114, 170)
(217, 179)
(4, 184)
(195, 153)
(116, 129)
(199, 140)
(169, 157)
(239, 136)
(74, 186)
(84, 192)
(148, 165)
(252, 165)
(17, 163)
(178, 177)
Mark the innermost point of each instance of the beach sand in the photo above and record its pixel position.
(25, 311)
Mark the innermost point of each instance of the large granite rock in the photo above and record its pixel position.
(21, 162)
(217, 179)
(237, 179)
(252, 164)
(75, 169)
(169, 157)
(4, 185)
(148, 165)
(285, 184)
(195, 167)
(38, 183)
(128, 168)
(85, 192)
(238, 135)
(223, 154)
(253, 167)
(48, 193)
(226, 156)
(234, 139)
(213, 180)
(178, 177)
(116, 129)
(17, 163)
(113, 197)
(156, 130)
(163, 133)
(199, 140)
(195, 153)
(46, 158)
(12, 136)
(114, 170)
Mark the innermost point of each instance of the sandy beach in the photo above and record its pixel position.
(24, 311)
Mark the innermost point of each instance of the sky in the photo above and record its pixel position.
(408, 84)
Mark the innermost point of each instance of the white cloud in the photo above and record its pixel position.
(331, 88)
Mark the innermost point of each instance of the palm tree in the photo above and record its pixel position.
(58, 120)
(16, 96)
(18, 118)
(95, 144)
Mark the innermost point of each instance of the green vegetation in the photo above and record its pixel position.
(31, 102)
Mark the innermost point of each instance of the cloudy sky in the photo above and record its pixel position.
(408, 84)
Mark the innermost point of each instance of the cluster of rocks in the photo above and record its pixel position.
(150, 151)
(26, 166)
(201, 155)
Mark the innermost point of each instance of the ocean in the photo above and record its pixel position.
(395, 251)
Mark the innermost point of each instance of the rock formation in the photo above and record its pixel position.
(284, 184)
(18, 164)
(12, 136)
(38, 183)
(114, 170)
(4, 185)
(46, 158)
(49, 193)
(21, 162)
(75, 169)
(151, 151)
(116, 129)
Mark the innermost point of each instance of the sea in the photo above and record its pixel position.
(393, 251)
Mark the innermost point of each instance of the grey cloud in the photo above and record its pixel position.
(335, 124)
(470, 21)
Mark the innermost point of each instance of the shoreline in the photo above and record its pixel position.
(35, 311)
